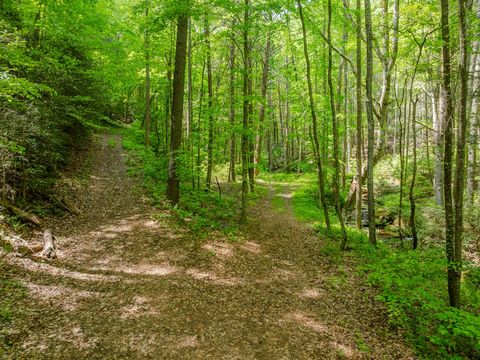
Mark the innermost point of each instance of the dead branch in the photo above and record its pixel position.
(219, 188)
(19, 245)
(23, 214)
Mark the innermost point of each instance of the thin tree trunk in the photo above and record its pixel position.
(231, 171)
(173, 185)
(336, 141)
(402, 115)
(270, 138)
(251, 137)
(190, 82)
(413, 105)
(199, 127)
(321, 184)
(473, 133)
(359, 136)
(147, 81)
(210, 105)
(371, 124)
(168, 102)
(413, 225)
(287, 125)
(447, 115)
(388, 59)
(346, 127)
(460, 158)
(261, 118)
(246, 100)
(438, 149)
(190, 103)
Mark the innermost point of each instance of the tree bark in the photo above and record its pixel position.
(321, 185)
(371, 124)
(49, 248)
(438, 149)
(473, 133)
(359, 136)
(460, 158)
(210, 105)
(190, 103)
(190, 83)
(246, 102)
(447, 115)
(413, 104)
(336, 140)
(263, 106)
(413, 224)
(173, 184)
(231, 171)
(147, 81)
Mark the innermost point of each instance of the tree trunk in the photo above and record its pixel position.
(190, 82)
(346, 128)
(210, 105)
(371, 124)
(147, 82)
(173, 184)
(438, 150)
(447, 115)
(190, 103)
(460, 158)
(473, 133)
(246, 101)
(261, 118)
(413, 105)
(231, 171)
(359, 136)
(413, 225)
(402, 120)
(321, 185)
(336, 140)
(199, 127)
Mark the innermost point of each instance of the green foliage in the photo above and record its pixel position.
(46, 91)
(412, 284)
(143, 163)
(362, 346)
(207, 210)
(198, 209)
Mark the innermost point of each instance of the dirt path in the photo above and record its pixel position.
(131, 285)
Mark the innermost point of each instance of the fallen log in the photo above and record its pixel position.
(21, 213)
(48, 245)
(70, 206)
(19, 245)
(61, 202)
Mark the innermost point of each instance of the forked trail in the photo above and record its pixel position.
(130, 283)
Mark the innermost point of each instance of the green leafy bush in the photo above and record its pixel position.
(413, 285)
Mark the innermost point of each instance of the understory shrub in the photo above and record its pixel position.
(413, 286)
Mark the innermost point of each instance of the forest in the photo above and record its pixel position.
(240, 179)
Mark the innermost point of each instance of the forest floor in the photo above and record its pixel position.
(131, 283)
